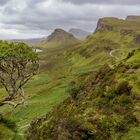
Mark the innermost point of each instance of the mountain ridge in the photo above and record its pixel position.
(59, 37)
(30, 41)
(79, 33)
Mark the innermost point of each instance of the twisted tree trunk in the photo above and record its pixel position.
(12, 96)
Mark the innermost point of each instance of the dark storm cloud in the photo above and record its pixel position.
(33, 18)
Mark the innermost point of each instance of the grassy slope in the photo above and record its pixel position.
(43, 92)
(6, 133)
(86, 57)
(107, 107)
(59, 66)
(42, 95)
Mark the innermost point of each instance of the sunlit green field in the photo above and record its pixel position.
(41, 96)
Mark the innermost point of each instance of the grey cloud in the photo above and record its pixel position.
(124, 2)
(3, 2)
(39, 17)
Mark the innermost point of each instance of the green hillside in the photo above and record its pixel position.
(110, 23)
(98, 65)
(105, 105)
(57, 39)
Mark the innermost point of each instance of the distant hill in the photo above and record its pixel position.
(128, 27)
(79, 34)
(111, 23)
(59, 38)
(31, 42)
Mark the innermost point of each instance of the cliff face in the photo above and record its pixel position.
(137, 39)
(110, 23)
(135, 19)
(129, 26)
(103, 25)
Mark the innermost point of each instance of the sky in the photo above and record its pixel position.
(38, 18)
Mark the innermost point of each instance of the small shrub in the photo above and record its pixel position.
(125, 100)
(131, 119)
(123, 87)
(109, 93)
(130, 54)
(136, 66)
(122, 126)
(74, 89)
(8, 123)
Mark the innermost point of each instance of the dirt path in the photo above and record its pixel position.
(113, 51)
(117, 58)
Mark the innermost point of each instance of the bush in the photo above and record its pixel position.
(123, 87)
(125, 100)
(9, 123)
(74, 89)
(109, 93)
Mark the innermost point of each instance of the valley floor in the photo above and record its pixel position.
(44, 92)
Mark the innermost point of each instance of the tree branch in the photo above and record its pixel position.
(14, 105)
(8, 100)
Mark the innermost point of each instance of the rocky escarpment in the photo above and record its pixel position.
(102, 25)
(128, 27)
(137, 39)
(124, 32)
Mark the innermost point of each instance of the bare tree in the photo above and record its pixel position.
(18, 64)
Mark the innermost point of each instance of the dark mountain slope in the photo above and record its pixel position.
(79, 34)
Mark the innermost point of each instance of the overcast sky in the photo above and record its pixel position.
(36, 18)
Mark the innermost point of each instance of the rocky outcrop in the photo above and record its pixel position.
(102, 25)
(126, 32)
(137, 39)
